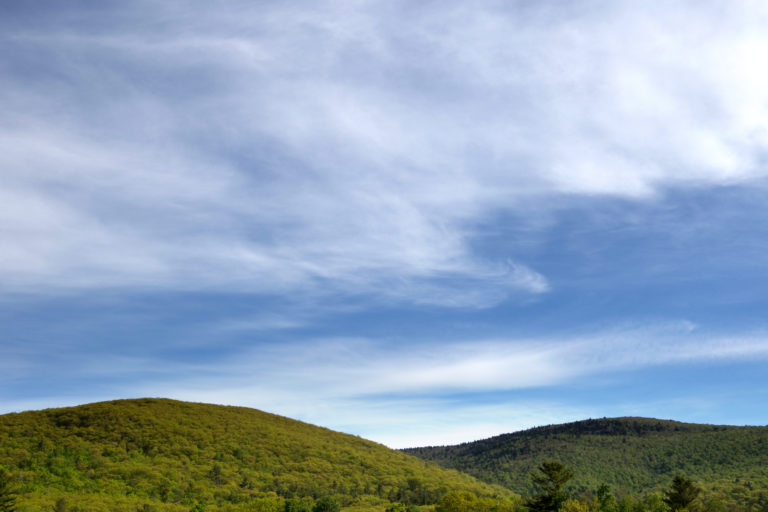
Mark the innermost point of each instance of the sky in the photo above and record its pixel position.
(422, 223)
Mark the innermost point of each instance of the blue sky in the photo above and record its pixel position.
(422, 223)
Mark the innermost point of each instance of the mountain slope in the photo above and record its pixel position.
(170, 454)
(631, 454)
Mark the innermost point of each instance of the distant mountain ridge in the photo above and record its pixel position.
(630, 454)
(169, 455)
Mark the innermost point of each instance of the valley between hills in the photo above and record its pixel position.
(154, 455)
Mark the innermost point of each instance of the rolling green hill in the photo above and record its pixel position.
(636, 455)
(157, 454)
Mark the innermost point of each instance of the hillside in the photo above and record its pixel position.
(169, 455)
(635, 455)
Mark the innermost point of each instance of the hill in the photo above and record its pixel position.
(632, 455)
(158, 454)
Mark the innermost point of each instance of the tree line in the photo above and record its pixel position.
(550, 480)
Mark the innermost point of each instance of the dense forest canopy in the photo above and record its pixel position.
(175, 454)
(153, 455)
(632, 455)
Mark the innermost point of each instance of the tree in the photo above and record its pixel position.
(7, 496)
(326, 504)
(62, 505)
(682, 493)
(297, 505)
(216, 474)
(605, 499)
(400, 507)
(457, 501)
(572, 505)
(550, 479)
(654, 502)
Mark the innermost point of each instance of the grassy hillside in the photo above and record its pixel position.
(170, 455)
(635, 455)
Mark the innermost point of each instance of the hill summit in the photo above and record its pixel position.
(170, 455)
(632, 455)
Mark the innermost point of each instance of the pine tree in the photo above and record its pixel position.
(550, 480)
(681, 494)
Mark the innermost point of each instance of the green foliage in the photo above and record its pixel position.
(401, 507)
(465, 501)
(550, 479)
(574, 505)
(155, 455)
(326, 504)
(7, 496)
(298, 505)
(170, 456)
(62, 505)
(606, 502)
(631, 455)
(654, 502)
(457, 501)
(682, 493)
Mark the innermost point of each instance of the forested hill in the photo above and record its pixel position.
(630, 454)
(170, 455)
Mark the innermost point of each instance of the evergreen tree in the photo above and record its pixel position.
(550, 479)
(681, 494)
(605, 499)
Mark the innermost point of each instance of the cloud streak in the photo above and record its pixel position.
(330, 381)
(435, 392)
(488, 365)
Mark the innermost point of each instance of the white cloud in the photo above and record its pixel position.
(399, 394)
(396, 393)
(349, 148)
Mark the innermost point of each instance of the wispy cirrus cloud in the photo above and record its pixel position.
(444, 393)
(487, 365)
(479, 387)
(353, 148)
